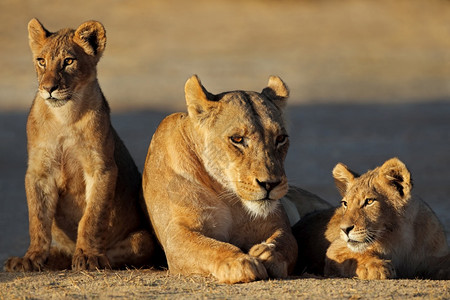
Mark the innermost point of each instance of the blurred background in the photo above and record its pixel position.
(369, 80)
(327, 51)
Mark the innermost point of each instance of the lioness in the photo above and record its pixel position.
(212, 182)
(83, 188)
(379, 232)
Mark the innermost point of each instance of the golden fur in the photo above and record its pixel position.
(212, 182)
(83, 188)
(379, 232)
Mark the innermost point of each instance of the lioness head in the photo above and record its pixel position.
(243, 141)
(66, 60)
(372, 203)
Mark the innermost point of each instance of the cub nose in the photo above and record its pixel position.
(346, 229)
(268, 185)
(50, 88)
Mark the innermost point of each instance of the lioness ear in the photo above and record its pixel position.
(277, 91)
(91, 36)
(37, 34)
(198, 99)
(398, 180)
(343, 176)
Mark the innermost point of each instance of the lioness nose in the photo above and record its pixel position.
(346, 229)
(267, 185)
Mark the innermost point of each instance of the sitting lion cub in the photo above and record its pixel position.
(212, 182)
(83, 188)
(379, 232)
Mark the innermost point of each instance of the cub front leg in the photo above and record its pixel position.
(277, 253)
(375, 268)
(342, 262)
(42, 197)
(90, 251)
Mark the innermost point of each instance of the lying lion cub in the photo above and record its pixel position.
(212, 182)
(379, 232)
(83, 188)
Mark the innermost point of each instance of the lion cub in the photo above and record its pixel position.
(212, 182)
(379, 232)
(83, 188)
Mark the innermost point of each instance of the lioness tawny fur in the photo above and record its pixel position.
(212, 182)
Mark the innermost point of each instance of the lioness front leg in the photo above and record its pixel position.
(90, 251)
(277, 253)
(239, 267)
(42, 197)
(189, 252)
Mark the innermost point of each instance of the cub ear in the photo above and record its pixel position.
(277, 91)
(343, 176)
(37, 34)
(397, 179)
(91, 36)
(198, 99)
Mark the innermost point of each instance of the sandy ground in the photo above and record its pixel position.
(369, 80)
(158, 284)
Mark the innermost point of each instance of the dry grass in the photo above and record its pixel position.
(139, 284)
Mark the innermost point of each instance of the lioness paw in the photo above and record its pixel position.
(242, 269)
(376, 269)
(274, 262)
(31, 262)
(90, 262)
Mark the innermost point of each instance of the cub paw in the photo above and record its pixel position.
(90, 262)
(376, 269)
(241, 269)
(274, 262)
(28, 263)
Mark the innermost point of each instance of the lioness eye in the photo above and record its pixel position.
(236, 139)
(369, 201)
(41, 62)
(344, 203)
(281, 140)
(68, 61)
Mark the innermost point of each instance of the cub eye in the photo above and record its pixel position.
(236, 139)
(41, 62)
(281, 140)
(369, 201)
(68, 61)
(344, 203)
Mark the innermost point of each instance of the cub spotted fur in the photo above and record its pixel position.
(212, 182)
(379, 232)
(83, 188)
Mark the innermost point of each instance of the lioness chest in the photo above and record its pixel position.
(231, 223)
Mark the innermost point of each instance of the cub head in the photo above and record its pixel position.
(66, 60)
(242, 141)
(372, 203)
